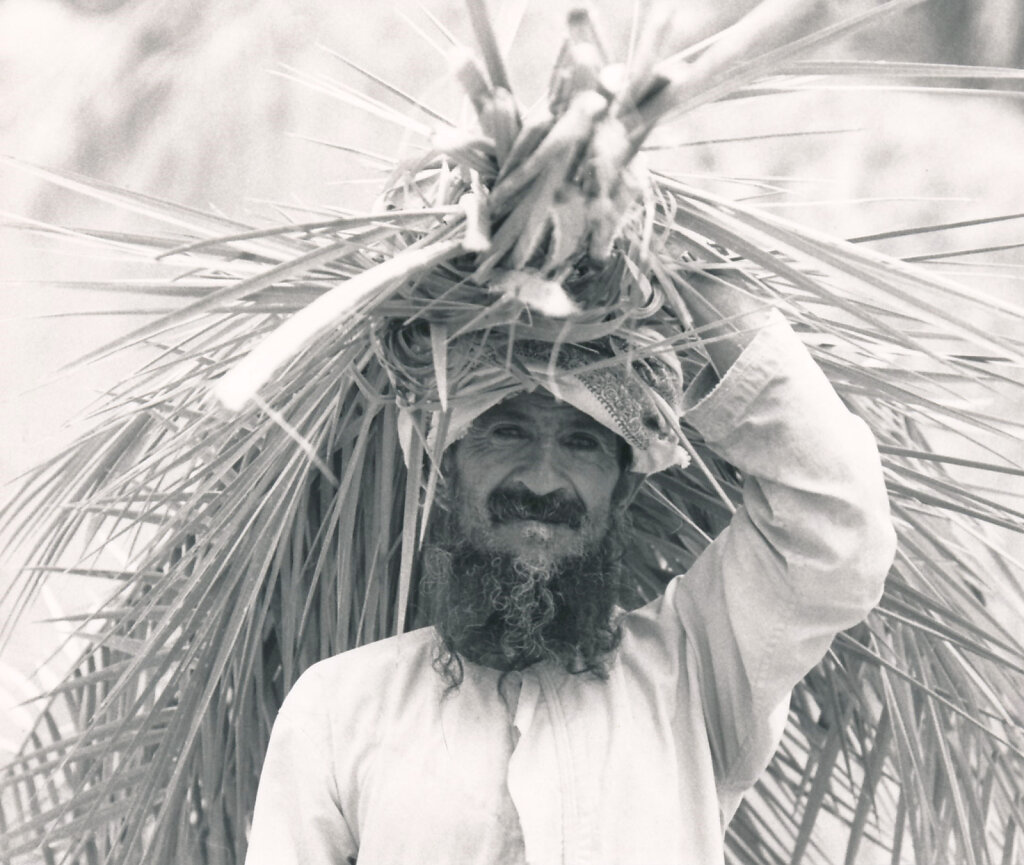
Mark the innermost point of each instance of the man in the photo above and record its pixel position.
(536, 723)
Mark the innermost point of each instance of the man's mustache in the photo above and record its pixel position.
(519, 503)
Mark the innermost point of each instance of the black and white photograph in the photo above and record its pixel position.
(507, 432)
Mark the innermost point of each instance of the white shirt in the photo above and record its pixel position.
(370, 760)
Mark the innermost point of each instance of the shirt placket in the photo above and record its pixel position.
(544, 777)
(534, 779)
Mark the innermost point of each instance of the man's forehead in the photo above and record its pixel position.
(540, 403)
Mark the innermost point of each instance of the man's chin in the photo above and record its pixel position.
(513, 596)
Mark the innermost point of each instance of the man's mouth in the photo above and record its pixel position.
(506, 505)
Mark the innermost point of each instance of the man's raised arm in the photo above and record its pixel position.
(807, 553)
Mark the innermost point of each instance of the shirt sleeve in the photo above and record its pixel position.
(804, 557)
(298, 818)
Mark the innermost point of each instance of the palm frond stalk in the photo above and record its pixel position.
(283, 528)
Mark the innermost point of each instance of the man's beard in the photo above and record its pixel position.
(494, 609)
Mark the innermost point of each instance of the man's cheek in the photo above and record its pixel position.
(470, 511)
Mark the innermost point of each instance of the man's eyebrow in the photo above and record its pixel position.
(590, 425)
(583, 419)
(577, 421)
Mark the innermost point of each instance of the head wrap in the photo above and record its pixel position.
(630, 383)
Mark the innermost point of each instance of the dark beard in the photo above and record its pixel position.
(491, 609)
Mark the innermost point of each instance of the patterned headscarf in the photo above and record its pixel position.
(632, 384)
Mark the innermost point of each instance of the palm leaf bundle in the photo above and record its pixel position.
(246, 497)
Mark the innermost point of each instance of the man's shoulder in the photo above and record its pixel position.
(409, 653)
(341, 706)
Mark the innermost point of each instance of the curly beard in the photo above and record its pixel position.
(496, 610)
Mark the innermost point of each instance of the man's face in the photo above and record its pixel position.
(534, 446)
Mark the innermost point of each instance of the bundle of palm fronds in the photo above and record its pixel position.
(246, 496)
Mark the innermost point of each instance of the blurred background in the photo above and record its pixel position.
(229, 106)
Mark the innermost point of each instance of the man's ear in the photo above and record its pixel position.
(626, 488)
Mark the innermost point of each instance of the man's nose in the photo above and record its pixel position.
(543, 471)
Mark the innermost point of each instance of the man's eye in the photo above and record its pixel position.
(508, 432)
(582, 442)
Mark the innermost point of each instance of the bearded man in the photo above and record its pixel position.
(536, 721)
